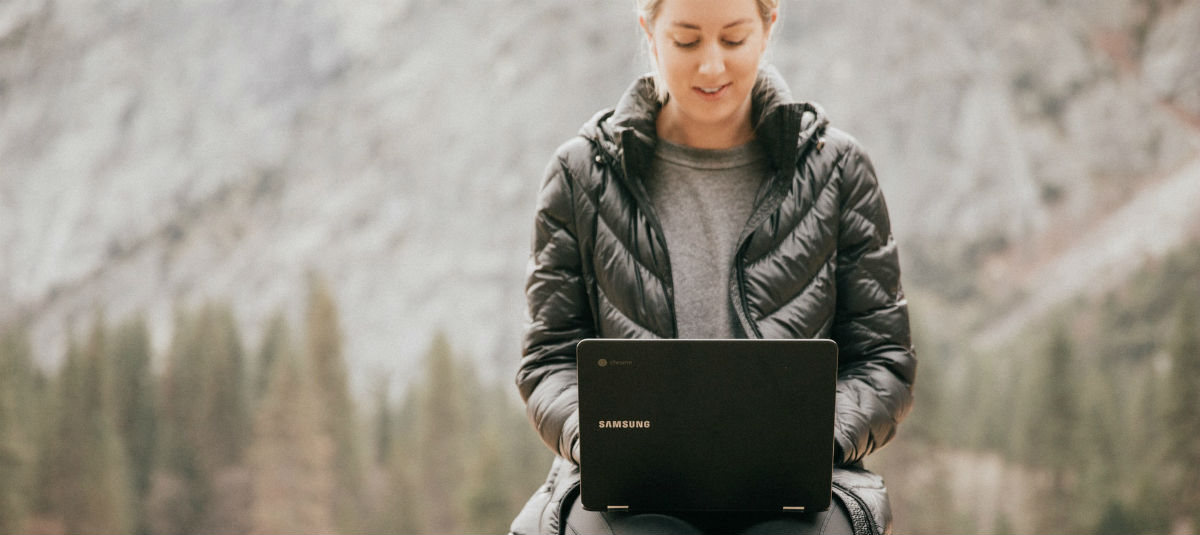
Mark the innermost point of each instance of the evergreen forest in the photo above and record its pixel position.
(228, 437)
(1087, 424)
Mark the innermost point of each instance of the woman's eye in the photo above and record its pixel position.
(735, 43)
(688, 44)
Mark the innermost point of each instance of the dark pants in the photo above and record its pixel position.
(583, 522)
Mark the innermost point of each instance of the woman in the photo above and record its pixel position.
(707, 204)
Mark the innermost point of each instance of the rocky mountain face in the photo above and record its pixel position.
(159, 154)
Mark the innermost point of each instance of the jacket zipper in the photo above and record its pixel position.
(564, 507)
(771, 198)
(744, 307)
(858, 510)
(646, 208)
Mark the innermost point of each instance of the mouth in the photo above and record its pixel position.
(711, 92)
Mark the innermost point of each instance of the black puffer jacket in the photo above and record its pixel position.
(815, 260)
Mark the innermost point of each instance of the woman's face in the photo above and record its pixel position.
(708, 52)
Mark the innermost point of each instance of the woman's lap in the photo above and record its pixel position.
(583, 522)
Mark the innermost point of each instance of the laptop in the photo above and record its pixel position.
(706, 425)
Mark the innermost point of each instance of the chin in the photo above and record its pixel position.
(709, 112)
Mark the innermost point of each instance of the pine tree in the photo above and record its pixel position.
(378, 502)
(16, 432)
(526, 456)
(324, 348)
(504, 467)
(87, 478)
(135, 408)
(182, 494)
(441, 434)
(404, 497)
(292, 456)
(206, 426)
(992, 418)
(1056, 430)
(60, 461)
(111, 492)
(227, 426)
(928, 416)
(1183, 414)
(1099, 443)
(384, 425)
(276, 342)
(923, 422)
(978, 424)
(487, 505)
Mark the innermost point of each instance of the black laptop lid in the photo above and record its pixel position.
(712, 425)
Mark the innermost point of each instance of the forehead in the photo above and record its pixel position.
(706, 14)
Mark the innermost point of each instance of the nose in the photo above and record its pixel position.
(713, 61)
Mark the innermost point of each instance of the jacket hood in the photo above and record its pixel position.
(784, 126)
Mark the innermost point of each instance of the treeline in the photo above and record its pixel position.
(226, 440)
(1097, 410)
(1100, 404)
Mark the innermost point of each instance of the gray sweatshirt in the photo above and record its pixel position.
(703, 198)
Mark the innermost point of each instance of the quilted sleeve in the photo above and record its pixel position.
(876, 363)
(558, 317)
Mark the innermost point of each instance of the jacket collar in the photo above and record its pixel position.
(629, 133)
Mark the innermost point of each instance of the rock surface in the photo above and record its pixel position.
(155, 153)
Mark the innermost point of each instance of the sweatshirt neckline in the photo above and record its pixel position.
(695, 158)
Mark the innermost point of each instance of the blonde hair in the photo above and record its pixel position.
(649, 9)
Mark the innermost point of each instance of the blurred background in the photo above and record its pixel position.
(262, 263)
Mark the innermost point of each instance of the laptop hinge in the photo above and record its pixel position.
(618, 508)
(796, 509)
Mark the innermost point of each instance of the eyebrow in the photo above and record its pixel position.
(691, 26)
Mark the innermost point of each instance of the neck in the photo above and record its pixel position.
(675, 126)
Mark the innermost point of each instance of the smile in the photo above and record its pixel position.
(712, 93)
